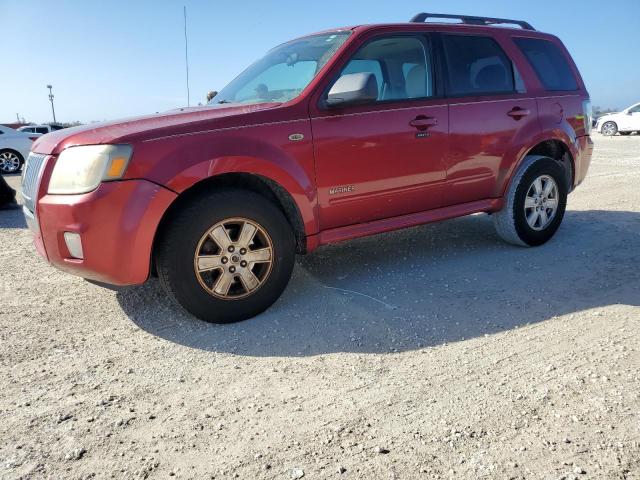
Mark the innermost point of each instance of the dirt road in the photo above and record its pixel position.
(434, 352)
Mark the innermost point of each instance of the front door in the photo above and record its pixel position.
(630, 120)
(385, 158)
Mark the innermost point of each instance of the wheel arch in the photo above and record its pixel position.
(552, 147)
(13, 150)
(559, 151)
(266, 187)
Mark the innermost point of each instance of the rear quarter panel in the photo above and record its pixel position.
(560, 113)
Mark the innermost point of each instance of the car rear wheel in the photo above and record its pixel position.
(226, 256)
(10, 161)
(535, 203)
(609, 129)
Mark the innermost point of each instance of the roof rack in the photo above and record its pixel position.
(471, 20)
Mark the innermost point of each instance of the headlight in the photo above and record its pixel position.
(81, 169)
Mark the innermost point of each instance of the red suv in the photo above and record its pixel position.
(332, 136)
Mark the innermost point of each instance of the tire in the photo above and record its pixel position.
(609, 129)
(10, 161)
(185, 244)
(513, 221)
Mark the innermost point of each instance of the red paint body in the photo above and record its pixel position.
(463, 166)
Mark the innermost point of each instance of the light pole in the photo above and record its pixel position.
(53, 110)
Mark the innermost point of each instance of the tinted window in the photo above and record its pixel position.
(549, 63)
(42, 130)
(401, 66)
(476, 66)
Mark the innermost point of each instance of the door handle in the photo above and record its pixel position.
(422, 122)
(518, 112)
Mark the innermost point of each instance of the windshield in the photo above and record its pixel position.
(283, 72)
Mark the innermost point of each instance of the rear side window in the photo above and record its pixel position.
(476, 65)
(42, 130)
(549, 63)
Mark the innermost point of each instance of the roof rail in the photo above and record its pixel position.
(471, 20)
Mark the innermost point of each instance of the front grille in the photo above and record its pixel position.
(31, 179)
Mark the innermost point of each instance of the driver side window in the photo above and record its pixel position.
(635, 109)
(401, 66)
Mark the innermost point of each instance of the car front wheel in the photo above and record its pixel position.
(609, 129)
(226, 256)
(535, 203)
(10, 161)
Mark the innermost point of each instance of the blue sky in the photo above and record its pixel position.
(118, 58)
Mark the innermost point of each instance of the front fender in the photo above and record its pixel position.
(180, 162)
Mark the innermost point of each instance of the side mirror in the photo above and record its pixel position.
(353, 89)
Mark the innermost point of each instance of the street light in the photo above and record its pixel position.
(53, 110)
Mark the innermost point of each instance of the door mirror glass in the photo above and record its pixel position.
(353, 89)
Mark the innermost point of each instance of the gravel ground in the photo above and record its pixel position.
(434, 352)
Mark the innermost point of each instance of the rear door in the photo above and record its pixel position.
(491, 118)
(385, 158)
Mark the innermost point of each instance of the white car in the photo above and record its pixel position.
(43, 129)
(14, 148)
(624, 123)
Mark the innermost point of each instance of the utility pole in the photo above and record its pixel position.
(53, 110)
(186, 53)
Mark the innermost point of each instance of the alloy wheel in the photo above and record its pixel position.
(541, 202)
(233, 258)
(609, 129)
(9, 162)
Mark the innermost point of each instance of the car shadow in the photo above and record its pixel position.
(418, 287)
(13, 218)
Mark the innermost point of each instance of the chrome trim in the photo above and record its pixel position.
(30, 185)
(30, 218)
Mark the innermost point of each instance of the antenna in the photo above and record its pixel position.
(186, 54)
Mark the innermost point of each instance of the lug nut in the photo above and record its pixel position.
(243, 263)
(232, 269)
(231, 249)
(224, 260)
(243, 251)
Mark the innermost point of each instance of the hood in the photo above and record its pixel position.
(607, 115)
(173, 122)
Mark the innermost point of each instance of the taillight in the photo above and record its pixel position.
(587, 111)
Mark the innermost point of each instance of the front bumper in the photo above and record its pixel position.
(116, 223)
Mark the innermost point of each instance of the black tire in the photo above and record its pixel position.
(15, 154)
(611, 128)
(511, 222)
(181, 237)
